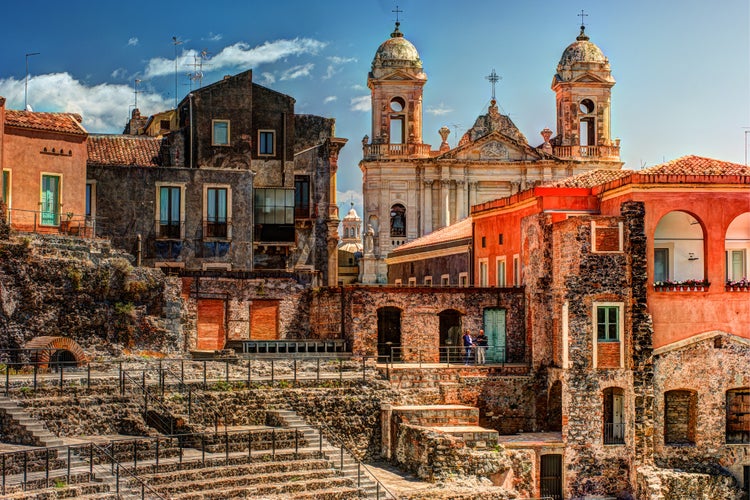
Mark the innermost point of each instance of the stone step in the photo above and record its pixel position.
(286, 490)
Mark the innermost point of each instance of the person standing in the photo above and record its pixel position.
(468, 346)
(481, 342)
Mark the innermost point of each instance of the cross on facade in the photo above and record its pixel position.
(582, 15)
(397, 11)
(493, 78)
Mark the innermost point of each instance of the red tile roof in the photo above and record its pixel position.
(67, 123)
(458, 231)
(697, 165)
(590, 179)
(139, 151)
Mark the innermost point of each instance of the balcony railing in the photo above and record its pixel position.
(377, 151)
(38, 221)
(614, 433)
(609, 152)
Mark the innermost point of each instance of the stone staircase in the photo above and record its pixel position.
(31, 431)
(339, 457)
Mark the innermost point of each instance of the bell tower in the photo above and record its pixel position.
(583, 87)
(396, 81)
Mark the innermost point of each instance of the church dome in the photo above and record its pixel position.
(582, 51)
(396, 52)
(352, 215)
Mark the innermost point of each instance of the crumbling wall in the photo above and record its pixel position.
(665, 484)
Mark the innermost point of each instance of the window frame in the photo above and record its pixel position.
(90, 202)
(483, 272)
(427, 281)
(412, 281)
(397, 210)
(58, 213)
(261, 143)
(213, 133)
(501, 278)
(445, 280)
(157, 210)
(516, 270)
(668, 267)
(463, 280)
(262, 217)
(303, 211)
(207, 224)
(5, 187)
(595, 334)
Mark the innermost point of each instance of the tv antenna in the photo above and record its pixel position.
(136, 92)
(197, 65)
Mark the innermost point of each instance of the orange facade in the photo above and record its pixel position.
(43, 159)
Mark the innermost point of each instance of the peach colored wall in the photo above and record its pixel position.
(680, 315)
(23, 157)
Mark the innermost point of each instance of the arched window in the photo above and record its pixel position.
(737, 245)
(679, 417)
(678, 248)
(398, 220)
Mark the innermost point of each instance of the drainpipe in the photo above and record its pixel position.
(138, 249)
(283, 153)
(190, 98)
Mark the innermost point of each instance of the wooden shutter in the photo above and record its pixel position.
(264, 320)
(211, 331)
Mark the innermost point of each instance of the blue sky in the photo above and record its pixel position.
(682, 67)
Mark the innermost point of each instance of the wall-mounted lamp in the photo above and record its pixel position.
(691, 256)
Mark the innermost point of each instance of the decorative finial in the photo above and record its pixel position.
(582, 35)
(493, 78)
(396, 32)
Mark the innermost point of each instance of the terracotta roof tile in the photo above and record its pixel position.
(458, 231)
(68, 123)
(139, 151)
(590, 179)
(697, 165)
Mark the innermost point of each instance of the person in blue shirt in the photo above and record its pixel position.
(468, 346)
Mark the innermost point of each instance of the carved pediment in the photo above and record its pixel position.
(494, 150)
(588, 78)
(398, 76)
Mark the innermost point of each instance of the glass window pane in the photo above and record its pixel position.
(221, 133)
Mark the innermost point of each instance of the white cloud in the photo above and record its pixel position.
(268, 78)
(213, 37)
(330, 98)
(358, 86)
(119, 73)
(438, 110)
(297, 71)
(133, 41)
(336, 62)
(240, 55)
(361, 103)
(104, 107)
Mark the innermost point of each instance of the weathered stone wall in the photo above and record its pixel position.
(452, 265)
(709, 365)
(662, 484)
(83, 290)
(126, 204)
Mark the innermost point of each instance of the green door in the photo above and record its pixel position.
(50, 200)
(494, 329)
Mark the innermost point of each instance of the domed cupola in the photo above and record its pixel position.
(396, 52)
(583, 86)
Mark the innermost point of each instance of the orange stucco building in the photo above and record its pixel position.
(43, 161)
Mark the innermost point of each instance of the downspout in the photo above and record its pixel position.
(190, 98)
(471, 256)
(283, 151)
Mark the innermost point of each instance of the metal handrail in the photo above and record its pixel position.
(340, 443)
(154, 398)
(132, 474)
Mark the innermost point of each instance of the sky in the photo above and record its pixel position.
(682, 67)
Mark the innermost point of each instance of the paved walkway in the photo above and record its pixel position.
(397, 481)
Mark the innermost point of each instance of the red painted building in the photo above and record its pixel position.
(43, 162)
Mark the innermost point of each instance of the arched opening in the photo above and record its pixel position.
(738, 416)
(737, 246)
(679, 417)
(614, 415)
(62, 358)
(398, 221)
(397, 121)
(554, 407)
(389, 332)
(678, 249)
(450, 336)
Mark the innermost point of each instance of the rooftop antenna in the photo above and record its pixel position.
(455, 127)
(198, 67)
(175, 41)
(136, 92)
(747, 131)
(26, 84)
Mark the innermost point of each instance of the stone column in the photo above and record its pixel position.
(427, 217)
(461, 209)
(445, 196)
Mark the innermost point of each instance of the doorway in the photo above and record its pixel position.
(450, 336)
(494, 329)
(550, 480)
(389, 333)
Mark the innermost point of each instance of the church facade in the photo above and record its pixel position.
(411, 189)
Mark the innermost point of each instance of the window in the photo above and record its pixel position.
(428, 281)
(266, 143)
(463, 279)
(483, 272)
(50, 200)
(736, 264)
(398, 283)
(302, 198)
(221, 133)
(661, 264)
(606, 239)
(169, 211)
(216, 212)
(164, 124)
(5, 191)
(412, 281)
(501, 271)
(516, 270)
(445, 280)
(608, 323)
(500, 239)
(274, 206)
(398, 221)
(90, 201)
(484, 242)
(679, 417)
(614, 415)
(738, 416)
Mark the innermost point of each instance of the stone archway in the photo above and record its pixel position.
(56, 349)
